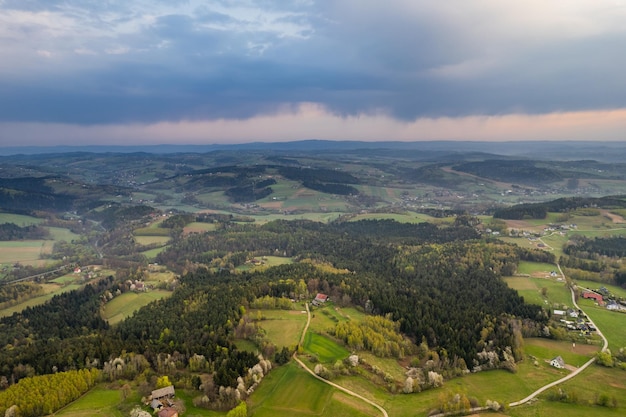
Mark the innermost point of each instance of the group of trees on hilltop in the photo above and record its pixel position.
(561, 205)
(520, 171)
(11, 231)
(611, 247)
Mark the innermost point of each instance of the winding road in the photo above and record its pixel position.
(577, 371)
(513, 404)
(332, 384)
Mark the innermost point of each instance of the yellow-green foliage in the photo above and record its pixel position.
(268, 302)
(240, 411)
(43, 395)
(376, 334)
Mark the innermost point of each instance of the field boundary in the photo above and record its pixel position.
(332, 384)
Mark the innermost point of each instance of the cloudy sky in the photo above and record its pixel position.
(220, 71)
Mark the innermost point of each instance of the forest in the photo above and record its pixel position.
(441, 284)
(561, 205)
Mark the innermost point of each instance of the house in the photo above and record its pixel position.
(161, 393)
(319, 299)
(558, 362)
(167, 412)
(558, 312)
(613, 306)
(592, 296)
(572, 313)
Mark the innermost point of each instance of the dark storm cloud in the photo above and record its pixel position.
(90, 62)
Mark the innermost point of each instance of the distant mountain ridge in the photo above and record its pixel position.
(554, 150)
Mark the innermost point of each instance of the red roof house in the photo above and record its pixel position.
(592, 296)
(321, 298)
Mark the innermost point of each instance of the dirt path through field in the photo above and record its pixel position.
(332, 384)
(578, 370)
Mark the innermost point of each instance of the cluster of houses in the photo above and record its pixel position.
(603, 297)
(575, 322)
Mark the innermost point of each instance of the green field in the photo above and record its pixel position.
(99, 402)
(611, 323)
(193, 411)
(152, 253)
(32, 252)
(619, 291)
(198, 227)
(151, 231)
(151, 240)
(282, 327)
(19, 219)
(593, 381)
(66, 279)
(277, 260)
(106, 402)
(557, 293)
(547, 349)
(534, 268)
(291, 392)
(126, 304)
(325, 217)
(325, 349)
(24, 251)
(408, 217)
(60, 233)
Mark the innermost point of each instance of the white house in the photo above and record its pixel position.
(558, 362)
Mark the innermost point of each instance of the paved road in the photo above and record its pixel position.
(576, 372)
(339, 387)
(35, 276)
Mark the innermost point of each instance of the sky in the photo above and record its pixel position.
(79, 72)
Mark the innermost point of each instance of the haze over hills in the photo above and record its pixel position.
(555, 150)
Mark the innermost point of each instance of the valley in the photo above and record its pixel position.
(435, 282)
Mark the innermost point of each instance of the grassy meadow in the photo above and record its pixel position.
(99, 402)
(23, 251)
(406, 217)
(289, 391)
(556, 294)
(611, 323)
(326, 350)
(547, 349)
(19, 219)
(50, 290)
(152, 253)
(124, 305)
(536, 268)
(282, 327)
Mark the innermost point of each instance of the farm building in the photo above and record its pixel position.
(592, 296)
(558, 362)
(161, 393)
